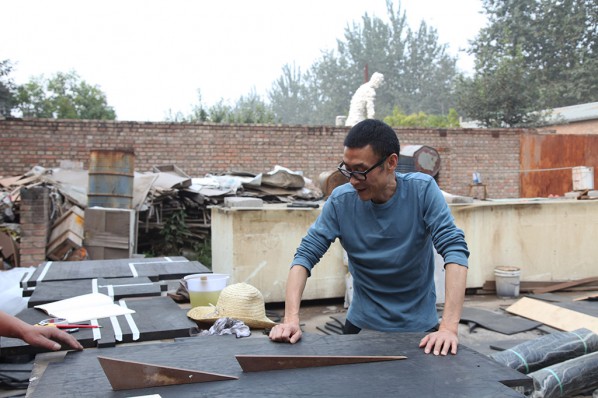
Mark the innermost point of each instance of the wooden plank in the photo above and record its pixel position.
(467, 374)
(565, 285)
(66, 234)
(107, 229)
(552, 315)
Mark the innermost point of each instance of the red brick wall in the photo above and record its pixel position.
(35, 225)
(217, 148)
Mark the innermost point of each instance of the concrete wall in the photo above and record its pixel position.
(218, 148)
(257, 247)
(581, 127)
(549, 240)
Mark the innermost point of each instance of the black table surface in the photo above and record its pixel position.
(467, 374)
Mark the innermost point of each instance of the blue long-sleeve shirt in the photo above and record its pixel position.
(389, 247)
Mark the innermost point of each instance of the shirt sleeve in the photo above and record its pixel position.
(318, 239)
(449, 240)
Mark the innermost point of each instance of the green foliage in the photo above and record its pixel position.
(504, 97)
(203, 252)
(7, 88)
(533, 55)
(250, 109)
(63, 96)
(174, 232)
(418, 73)
(421, 119)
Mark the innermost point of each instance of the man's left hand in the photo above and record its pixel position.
(440, 342)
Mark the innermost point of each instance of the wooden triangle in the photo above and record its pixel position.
(127, 375)
(259, 363)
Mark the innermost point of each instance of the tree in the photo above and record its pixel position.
(7, 88)
(503, 97)
(63, 96)
(288, 95)
(421, 119)
(546, 48)
(419, 75)
(248, 109)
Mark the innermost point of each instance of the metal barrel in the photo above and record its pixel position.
(111, 175)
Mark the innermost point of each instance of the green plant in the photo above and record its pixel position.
(203, 251)
(174, 232)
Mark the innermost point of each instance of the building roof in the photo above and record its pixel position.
(574, 113)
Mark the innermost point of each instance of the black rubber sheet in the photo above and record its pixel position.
(117, 288)
(155, 318)
(467, 374)
(159, 268)
(498, 322)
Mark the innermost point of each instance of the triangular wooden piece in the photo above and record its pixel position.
(260, 363)
(127, 375)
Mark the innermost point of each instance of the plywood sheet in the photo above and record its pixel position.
(110, 233)
(552, 315)
(467, 374)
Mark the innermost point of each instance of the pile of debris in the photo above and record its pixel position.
(172, 209)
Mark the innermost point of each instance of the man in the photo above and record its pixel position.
(40, 336)
(388, 223)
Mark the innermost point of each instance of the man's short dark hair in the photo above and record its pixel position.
(379, 135)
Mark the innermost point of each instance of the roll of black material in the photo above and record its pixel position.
(567, 379)
(548, 350)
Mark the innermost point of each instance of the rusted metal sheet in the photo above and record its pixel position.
(546, 162)
(260, 363)
(111, 176)
(128, 375)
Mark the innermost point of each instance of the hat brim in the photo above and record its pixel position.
(209, 314)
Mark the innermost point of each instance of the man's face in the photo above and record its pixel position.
(380, 183)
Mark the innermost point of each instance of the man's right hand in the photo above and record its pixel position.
(287, 332)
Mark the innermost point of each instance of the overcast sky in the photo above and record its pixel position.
(151, 56)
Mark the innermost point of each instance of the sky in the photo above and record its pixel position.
(150, 57)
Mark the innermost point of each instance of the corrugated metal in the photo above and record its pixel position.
(575, 113)
(111, 176)
(547, 162)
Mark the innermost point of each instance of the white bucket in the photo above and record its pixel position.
(204, 289)
(507, 281)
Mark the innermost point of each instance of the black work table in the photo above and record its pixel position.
(468, 374)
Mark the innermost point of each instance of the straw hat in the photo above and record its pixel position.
(239, 301)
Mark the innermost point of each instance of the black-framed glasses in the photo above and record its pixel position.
(359, 175)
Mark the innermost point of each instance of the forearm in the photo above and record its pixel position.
(11, 326)
(455, 283)
(294, 291)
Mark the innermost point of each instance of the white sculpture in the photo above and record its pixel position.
(362, 103)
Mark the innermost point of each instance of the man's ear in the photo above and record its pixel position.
(393, 161)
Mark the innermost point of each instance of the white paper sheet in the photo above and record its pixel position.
(84, 308)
